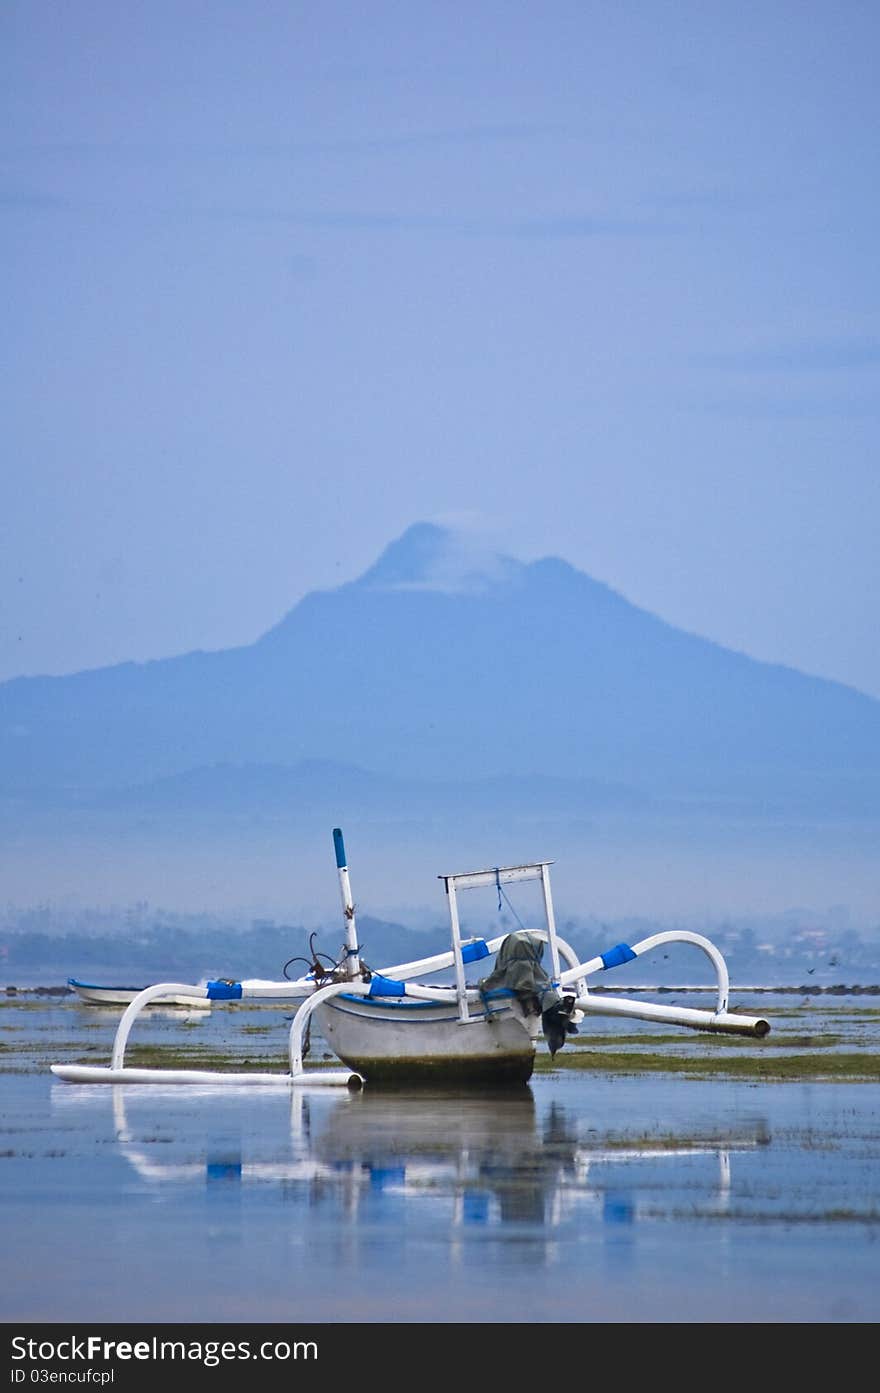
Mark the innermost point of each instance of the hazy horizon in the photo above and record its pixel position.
(295, 880)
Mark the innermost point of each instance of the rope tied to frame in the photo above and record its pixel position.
(502, 892)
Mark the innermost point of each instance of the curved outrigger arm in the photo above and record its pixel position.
(721, 1019)
(300, 1022)
(118, 1072)
(212, 991)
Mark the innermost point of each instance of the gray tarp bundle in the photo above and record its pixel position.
(518, 968)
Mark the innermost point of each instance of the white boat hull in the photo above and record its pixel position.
(398, 1040)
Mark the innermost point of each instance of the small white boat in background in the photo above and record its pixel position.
(121, 996)
(389, 1026)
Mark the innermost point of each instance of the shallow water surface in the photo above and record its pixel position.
(580, 1198)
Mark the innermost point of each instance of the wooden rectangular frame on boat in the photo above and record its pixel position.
(501, 875)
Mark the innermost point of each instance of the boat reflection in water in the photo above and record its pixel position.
(474, 1161)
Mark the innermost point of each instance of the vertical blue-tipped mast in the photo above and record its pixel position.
(352, 958)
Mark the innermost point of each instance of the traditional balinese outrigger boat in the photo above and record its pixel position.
(394, 1026)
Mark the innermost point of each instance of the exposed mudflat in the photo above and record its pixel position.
(642, 1175)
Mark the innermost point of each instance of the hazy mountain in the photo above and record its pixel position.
(441, 664)
(451, 710)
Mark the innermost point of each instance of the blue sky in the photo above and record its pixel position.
(596, 280)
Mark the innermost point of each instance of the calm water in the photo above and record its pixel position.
(584, 1198)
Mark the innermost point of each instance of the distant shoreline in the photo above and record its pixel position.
(805, 989)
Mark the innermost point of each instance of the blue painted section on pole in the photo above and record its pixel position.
(386, 986)
(224, 991)
(383, 1176)
(223, 1170)
(340, 847)
(621, 953)
(618, 1209)
(472, 952)
(475, 1207)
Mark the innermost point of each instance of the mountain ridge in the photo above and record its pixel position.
(445, 659)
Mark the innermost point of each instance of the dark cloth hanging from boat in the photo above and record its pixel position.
(518, 969)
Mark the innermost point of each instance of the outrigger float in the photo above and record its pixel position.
(389, 1026)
